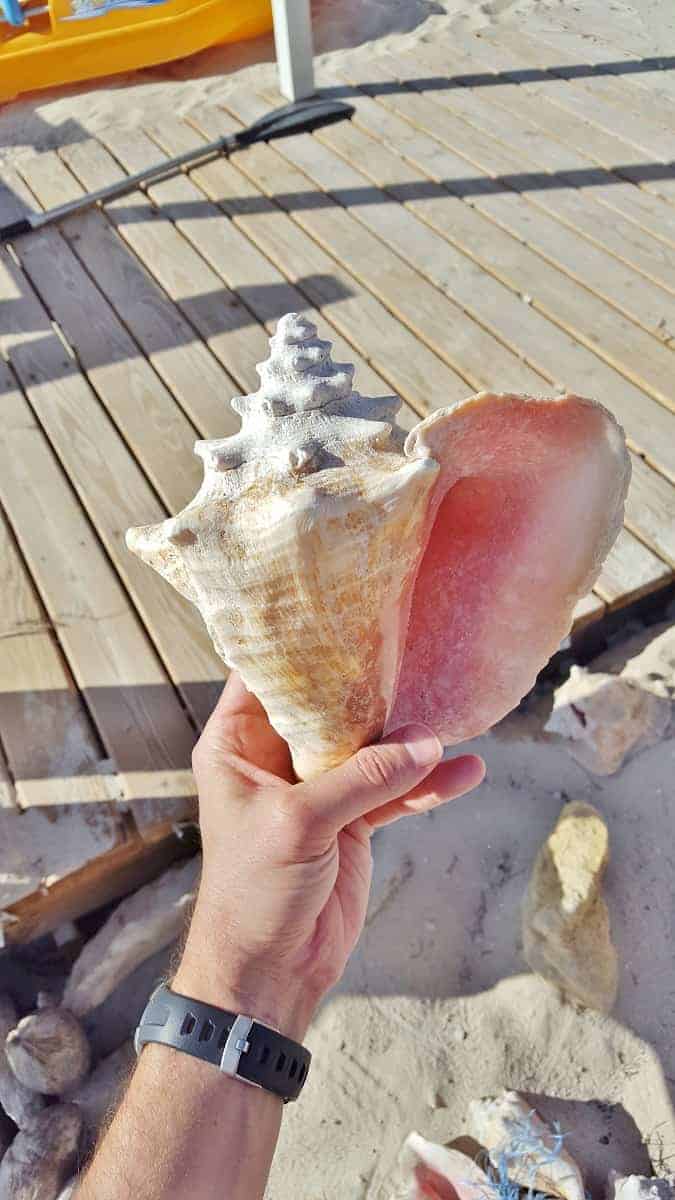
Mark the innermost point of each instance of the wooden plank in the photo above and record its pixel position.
(152, 320)
(45, 727)
(629, 195)
(641, 300)
(409, 367)
(625, 236)
(622, 44)
(137, 715)
(551, 350)
(604, 186)
(524, 137)
(589, 609)
(146, 414)
(634, 76)
(214, 311)
(63, 862)
(168, 785)
(552, 293)
(238, 261)
(630, 571)
(378, 225)
(431, 316)
(648, 138)
(650, 510)
(109, 483)
(428, 253)
(624, 92)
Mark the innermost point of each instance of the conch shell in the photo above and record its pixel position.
(359, 580)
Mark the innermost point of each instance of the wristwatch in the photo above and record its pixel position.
(239, 1046)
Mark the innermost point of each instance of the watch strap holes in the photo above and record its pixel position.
(264, 1055)
(294, 1067)
(280, 1062)
(207, 1031)
(224, 1034)
(189, 1022)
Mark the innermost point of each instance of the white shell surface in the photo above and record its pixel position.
(535, 1159)
(301, 547)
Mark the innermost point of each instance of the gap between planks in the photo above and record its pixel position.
(110, 486)
(434, 147)
(637, 231)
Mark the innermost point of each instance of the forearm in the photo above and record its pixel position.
(185, 1130)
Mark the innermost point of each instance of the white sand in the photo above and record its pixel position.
(341, 27)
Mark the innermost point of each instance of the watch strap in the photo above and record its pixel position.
(238, 1045)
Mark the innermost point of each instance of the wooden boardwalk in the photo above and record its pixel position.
(498, 214)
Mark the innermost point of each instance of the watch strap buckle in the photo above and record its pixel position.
(236, 1046)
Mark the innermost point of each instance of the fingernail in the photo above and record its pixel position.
(421, 743)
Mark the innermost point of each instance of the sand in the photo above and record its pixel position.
(437, 1006)
(353, 28)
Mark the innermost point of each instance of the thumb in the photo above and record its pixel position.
(373, 776)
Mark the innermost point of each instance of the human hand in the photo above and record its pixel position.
(286, 865)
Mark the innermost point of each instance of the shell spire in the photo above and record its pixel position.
(359, 580)
(305, 401)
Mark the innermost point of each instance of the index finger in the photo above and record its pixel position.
(235, 700)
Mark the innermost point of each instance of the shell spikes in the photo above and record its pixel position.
(357, 582)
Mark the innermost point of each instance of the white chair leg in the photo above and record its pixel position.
(293, 40)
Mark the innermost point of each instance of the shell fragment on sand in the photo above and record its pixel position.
(566, 934)
(359, 579)
(433, 1172)
(604, 718)
(522, 1145)
(639, 1187)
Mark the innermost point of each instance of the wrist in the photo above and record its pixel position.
(244, 986)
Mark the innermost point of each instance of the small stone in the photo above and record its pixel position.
(17, 1101)
(42, 1156)
(638, 1187)
(604, 718)
(48, 1050)
(566, 935)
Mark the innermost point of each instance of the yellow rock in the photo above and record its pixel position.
(566, 934)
